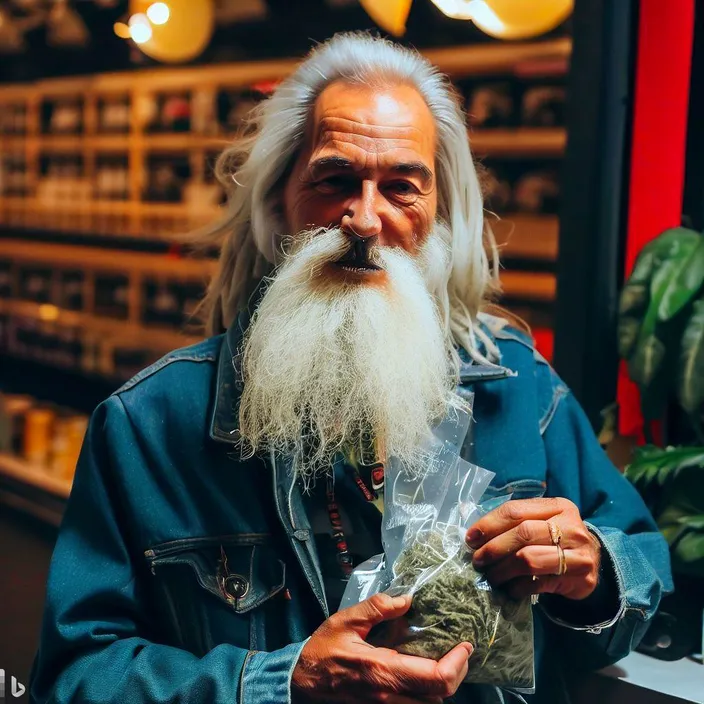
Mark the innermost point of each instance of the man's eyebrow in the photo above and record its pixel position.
(327, 162)
(409, 168)
(415, 168)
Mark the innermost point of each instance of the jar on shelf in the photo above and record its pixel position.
(38, 435)
(491, 105)
(16, 407)
(114, 114)
(67, 440)
(544, 106)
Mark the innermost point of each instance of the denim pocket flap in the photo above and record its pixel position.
(241, 570)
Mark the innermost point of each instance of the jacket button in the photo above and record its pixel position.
(301, 534)
(236, 586)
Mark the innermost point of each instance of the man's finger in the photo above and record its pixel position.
(524, 534)
(539, 560)
(425, 677)
(523, 587)
(362, 617)
(509, 515)
(454, 666)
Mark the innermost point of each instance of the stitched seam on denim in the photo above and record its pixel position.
(244, 669)
(252, 616)
(559, 392)
(162, 364)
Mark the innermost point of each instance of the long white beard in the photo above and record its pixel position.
(325, 360)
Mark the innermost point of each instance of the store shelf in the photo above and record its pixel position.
(114, 218)
(152, 337)
(529, 286)
(104, 259)
(520, 142)
(183, 141)
(108, 142)
(459, 61)
(497, 58)
(12, 143)
(533, 237)
(59, 143)
(19, 469)
(32, 489)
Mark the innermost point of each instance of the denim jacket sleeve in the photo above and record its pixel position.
(97, 641)
(635, 554)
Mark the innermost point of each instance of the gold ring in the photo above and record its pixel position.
(555, 533)
(561, 561)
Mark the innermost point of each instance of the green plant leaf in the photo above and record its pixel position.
(695, 522)
(628, 331)
(645, 452)
(656, 465)
(644, 364)
(670, 243)
(685, 283)
(672, 532)
(644, 266)
(691, 386)
(690, 547)
(646, 369)
(635, 296)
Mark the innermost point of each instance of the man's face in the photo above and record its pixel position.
(367, 166)
(347, 339)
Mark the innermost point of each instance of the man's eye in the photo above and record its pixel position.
(334, 184)
(402, 189)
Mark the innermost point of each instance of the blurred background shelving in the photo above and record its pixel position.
(102, 175)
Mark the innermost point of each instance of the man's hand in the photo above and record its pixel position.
(514, 543)
(337, 665)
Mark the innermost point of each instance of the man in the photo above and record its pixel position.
(221, 500)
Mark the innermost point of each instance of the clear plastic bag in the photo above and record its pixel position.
(425, 555)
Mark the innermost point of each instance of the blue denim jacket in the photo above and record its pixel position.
(183, 573)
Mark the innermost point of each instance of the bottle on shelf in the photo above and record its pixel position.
(70, 294)
(165, 178)
(111, 292)
(63, 116)
(543, 106)
(35, 284)
(114, 115)
(169, 113)
(491, 105)
(38, 429)
(13, 119)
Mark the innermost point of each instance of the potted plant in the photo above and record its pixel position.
(661, 336)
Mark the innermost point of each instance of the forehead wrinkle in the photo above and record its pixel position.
(345, 124)
(344, 142)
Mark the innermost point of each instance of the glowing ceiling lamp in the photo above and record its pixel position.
(179, 29)
(509, 19)
(122, 30)
(390, 15)
(140, 28)
(158, 13)
(505, 19)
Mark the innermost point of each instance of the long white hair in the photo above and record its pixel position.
(254, 169)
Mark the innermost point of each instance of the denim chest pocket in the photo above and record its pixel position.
(220, 589)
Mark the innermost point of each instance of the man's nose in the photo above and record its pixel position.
(361, 218)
